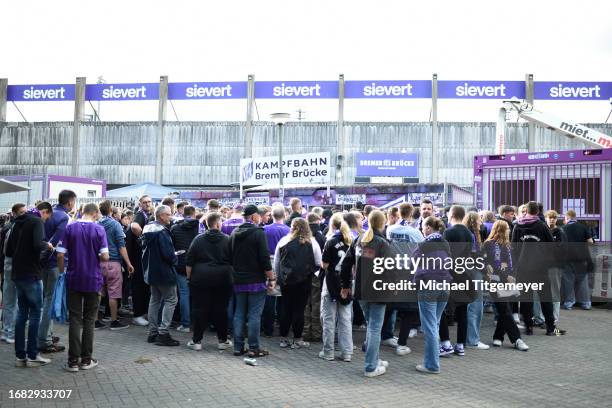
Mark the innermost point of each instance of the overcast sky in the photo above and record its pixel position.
(137, 41)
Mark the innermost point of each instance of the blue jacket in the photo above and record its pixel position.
(158, 257)
(114, 236)
(54, 232)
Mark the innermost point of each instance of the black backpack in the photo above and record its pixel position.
(297, 262)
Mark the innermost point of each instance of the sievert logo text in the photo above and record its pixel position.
(42, 94)
(125, 93)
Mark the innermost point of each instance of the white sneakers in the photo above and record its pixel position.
(391, 342)
(402, 350)
(520, 345)
(140, 321)
(92, 364)
(497, 343)
(38, 361)
(284, 343)
(183, 329)
(380, 370)
(7, 339)
(422, 369)
(194, 346)
(325, 356)
(479, 346)
(299, 343)
(412, 333)
(224, 346)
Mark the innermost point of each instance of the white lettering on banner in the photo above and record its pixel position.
(133, 93)
(487, 90)
(202, 91)
(44, 93)
(387, 90)
(291, 90)
(304, 168)
(317, 161)
(561, 91)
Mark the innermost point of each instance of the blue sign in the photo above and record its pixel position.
(573, 90)
(481, 89)
(296, 89)
(387, 164)
(387, 89)
(122, 92)
(207, 90)
(63, 92)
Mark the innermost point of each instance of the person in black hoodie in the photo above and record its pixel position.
(252, 277)
(183, 233)
(209, 271)
(25, 245)
(312, 312)
(532, 261)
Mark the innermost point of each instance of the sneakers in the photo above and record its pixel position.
(459, 350)
(516, 318)
(380, 370)
(117, 325)
(99, 325)
(347, 358)
(390, 342)
(194, 346)
(520, 345)
(402, 350)
(412, 333)
(225, 345)
(88, 363)
(183, 329)
(529, 331)
(152, 338)
(446, 350)
(106, 319)
(140, 321)
(72, 366)
(38, 361)
(166, 340)
(479, 346)
(20, 362)
(299, 343)
(556, 332)
(325, 356)
(383, 363)
(422, 369)
(7, 340)
(284, 343)
(497, 343)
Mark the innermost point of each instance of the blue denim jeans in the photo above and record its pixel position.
(184, 305)
(431, 307)
(45, 330)
(388, 328)
(474, 317)
(30, 300)
(9, 300)
(374, 314)
(249, 306)
(575, 285)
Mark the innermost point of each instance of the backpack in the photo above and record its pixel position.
(297, 262)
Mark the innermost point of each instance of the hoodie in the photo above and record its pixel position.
(158, 258)
(25, 245)
(250, 256)
(210, 261)
(183, 234)
(532, 257)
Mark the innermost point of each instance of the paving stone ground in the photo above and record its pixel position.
(569, 371)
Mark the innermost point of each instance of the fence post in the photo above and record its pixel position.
(435, 138)
(3, 98)
(531, 140)
(340, 133)
(161, 124)
(79, 109)
(248, 135)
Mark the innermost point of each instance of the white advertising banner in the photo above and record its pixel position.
(306, 168)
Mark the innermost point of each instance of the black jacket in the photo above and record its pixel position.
(532, 254)
(291, 217)
(209, 258)
(183, 234)
(249, 254)
(336, 278)
(315, 229)
(25, 245)
(461, 240)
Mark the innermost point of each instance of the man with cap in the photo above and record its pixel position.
(234, 221)
(252, 277)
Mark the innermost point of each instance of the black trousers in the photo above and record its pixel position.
(82, 313)
(408, 320)
(141, 294)
(505, 323)
(526, 305)
(461, 318)
(209, 305)
(294, 301)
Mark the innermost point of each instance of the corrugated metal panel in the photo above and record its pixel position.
(208, 153)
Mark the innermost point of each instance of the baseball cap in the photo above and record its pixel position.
(250, 210)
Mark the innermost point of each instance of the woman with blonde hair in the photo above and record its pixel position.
(336, 300)
(498, 258)
(296, 258)
(361, 255)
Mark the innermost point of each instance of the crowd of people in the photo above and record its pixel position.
(245, 271)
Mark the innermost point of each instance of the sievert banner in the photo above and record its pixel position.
(481, 89)
(26, 93)
(387, 164)
(122, 92)
(207, 90)
(296, 89)
(306, 168)
(387, 89)
(573, 90)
